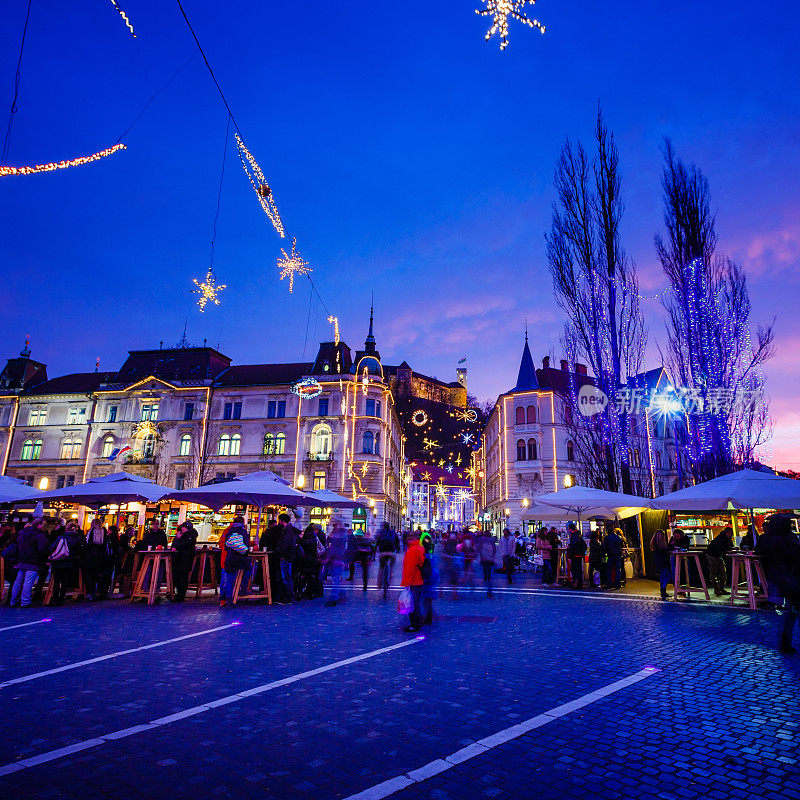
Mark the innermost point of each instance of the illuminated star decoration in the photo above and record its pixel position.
(429, 444)
(54, 165)
(124, 17)
(260, 185)
(426, 476)
(500, 11)
(208, 290)
(466, 438)
(291, 264)
(449, 467)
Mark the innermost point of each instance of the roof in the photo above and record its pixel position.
(646, 380)
(263, 374)
(560, 382)
(76, 383)
(178, 364)
(526, 379)
(21, 373)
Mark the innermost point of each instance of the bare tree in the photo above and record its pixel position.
(709, 351)
(596, 285)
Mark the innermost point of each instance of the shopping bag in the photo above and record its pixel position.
(405, 603)
(538, 560)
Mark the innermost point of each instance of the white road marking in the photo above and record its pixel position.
(24, 625)
(52, 755)
(33, 676)
(389, 787)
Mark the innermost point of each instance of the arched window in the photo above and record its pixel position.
(148, 445)
(637, 459)
(568, 415)
(658, 459)
(37, 449)
(27, 450)
(108, 447)
(520, 412)
(280, 444)
(521, 450)
(321, 440)
(530, 414)
(224, 445)
(186, 445)
(532, 454)
(369, 442)
(377, 443)
(70, 448)
(570, 451)
(236, 444)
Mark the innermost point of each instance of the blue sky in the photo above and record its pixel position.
(407, 155)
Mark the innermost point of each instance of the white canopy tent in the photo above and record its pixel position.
(584, 502)
(117, 488)
(328, 499)
(745, 489)
(13, 490)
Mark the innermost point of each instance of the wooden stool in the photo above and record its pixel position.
(256, 557)
(746, 561)
(682, 562)
(80, 591)
(153, 559)
(562, 572)
(203, 558)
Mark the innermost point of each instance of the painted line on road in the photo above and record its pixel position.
(76, 664)
(52, 755)
(389, 787)
(24, 624)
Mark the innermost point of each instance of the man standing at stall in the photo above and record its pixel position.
(716, 551)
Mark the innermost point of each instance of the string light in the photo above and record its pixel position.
(429, 444)
(500, 11)
(419, 418)
(54, 165)
(124, 17)
(260, 185)
(292, 264)
(335, 322)
(208, 290)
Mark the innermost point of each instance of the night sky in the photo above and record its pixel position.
(407, 155)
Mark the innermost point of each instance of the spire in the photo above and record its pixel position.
(369, 343)
(526, 380)
(26, 351)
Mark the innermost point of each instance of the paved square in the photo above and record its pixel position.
(530, 694)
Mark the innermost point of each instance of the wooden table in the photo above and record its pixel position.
(205, 560)
(682, 558)
(78, 591)
(256, 557)
(151, 561)
(746, 562)
(562, 559)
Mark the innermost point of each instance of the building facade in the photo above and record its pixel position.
(527, 447)
(186, 416)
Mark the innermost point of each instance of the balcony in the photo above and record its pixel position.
(319, 456)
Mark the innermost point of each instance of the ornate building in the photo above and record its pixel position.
(186, 416)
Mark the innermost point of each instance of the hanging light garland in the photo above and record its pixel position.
(124, 17)
(54, 165)
(260, 185)
(208, 290)
(292, 264)
(500, 11)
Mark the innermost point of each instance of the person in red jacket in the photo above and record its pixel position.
(412, 578)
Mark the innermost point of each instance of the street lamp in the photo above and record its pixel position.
(44, 483)
(301, 481)
(567, 481)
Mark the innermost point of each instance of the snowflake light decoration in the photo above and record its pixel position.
(466, 438)
(291, 264)
(500, 11)
(429, 444)
(208, 290)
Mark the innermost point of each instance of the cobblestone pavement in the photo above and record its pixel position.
(720, 719)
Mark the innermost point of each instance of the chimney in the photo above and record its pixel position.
(546, 362)
(564, 365)
(580, 369)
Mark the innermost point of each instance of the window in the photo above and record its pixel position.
(274, 445)
(112, 413)
(27, 450)
(227, 411)
(568, 415)
(108, 447)
(237, 411)
(148, 444)
(37, 416)
(637, 458)
(59, 481)
(521, 450)
(369, 441)
(180, 480)
(520, 416)
(570, 451)
(186, 445)
(276, 409)
(76, 415)
(530, 414)
(532, 450)
(281, 408)
(70, 448)
(321, 441)
(323, 407)
(224, 445)
(377, 443)
(70, 480)
(658, 460)
(236, 444)
(319, 481)
(149, 412)
(369, 409)
(188, 411)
